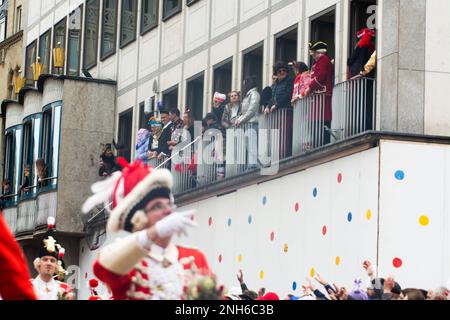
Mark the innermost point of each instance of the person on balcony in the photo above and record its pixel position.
(142, 143)
(219, 104)
(188, 123)
(163, 151)
(107, 162)
(155, 131)
(362, 53)
(146, 265)
(25, 187)
(177, 128)
(301, 82)
(321, 83)
(250, 110)
(233, 110)
(42, 173)
(5, 197)
(49, 266)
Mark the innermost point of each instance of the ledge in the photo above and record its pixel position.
(44, 77)
(23, 91)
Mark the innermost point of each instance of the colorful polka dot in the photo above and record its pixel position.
(294, 286)
(229, 222)
(286, 248)
(210, 221)
(297, 207)
(324, 230)
(272, 236)
(338, 261)
(240, 258)
(220, 258)
(315, 192)
(369, 215)
(312, 272)
(85, 275)
(250, 219)
(397, 262)
(264, 200)
(339, 178)
(349, 217)
(400, 175)
(261, 275)
(424, 221)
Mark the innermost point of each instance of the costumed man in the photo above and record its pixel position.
(50, 267)
(14, 274)
(321, 83)
(361, 54)
(145, 265)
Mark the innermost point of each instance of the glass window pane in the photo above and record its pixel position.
(59, 37)
(73, 56)
(30, 59)
(149, 17)
(36, 137)
(171, 7)
(55, 143)
(44, 51)
(91, 34)
(128, 22)
(109, 22)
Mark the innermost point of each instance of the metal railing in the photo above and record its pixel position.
(354, 104)
(309, 124)
(184, 168)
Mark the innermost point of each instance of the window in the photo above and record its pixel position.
(191, 2)
(170, 98)
(361, 16)
(128, 20)
(18, 25)
(30, 58)
(323, 29)
(44, 50)
(125, 132)
(194, 96)
(222, 77)
(12, 166)
(49, 155)
(286, 45)
(253, 64)
(143, 116)
(2, 29)
(74, 42)
(59, 37)
(149, 15)
(30, 153)
(91, 34)
(109, 23)
(170, 8)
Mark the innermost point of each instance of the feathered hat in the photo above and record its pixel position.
(128, 192)
(319, 46)
(49, 247)
(365, 37)
(93, 285)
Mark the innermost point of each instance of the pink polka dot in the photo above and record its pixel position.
(272, 236)
(210, 221)
(397, 263)
(297, 207)
(220, 258)
(85, 275)
(324, 230)
(339, 179)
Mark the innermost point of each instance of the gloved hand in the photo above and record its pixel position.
(176, 223)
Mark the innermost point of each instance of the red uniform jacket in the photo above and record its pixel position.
(322, 82)
(135, 285)
(14, 274)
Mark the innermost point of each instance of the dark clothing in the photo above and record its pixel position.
(358, 60)
(266, 97)
(219, 112)
(282, 93)
(165, 137)
(108, 167)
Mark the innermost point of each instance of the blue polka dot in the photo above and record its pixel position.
(250, 219)
(264, 200)
(294, 286)
(350, 217)
(229, 222)
(400, 175)
(315, 192)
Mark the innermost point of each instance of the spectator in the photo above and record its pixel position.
(5, 193)
(232, 110)
(250, 108)
(188, 123)
(142, 144)
(322, 83)
(246, 293)
(155, 133)
(212, 123)
(361, 54)
(218, 104)
(166, 136)
(177, 128)
(25, 187)
(266, 100)
(107, 162)
(301, 82)
(42, 173)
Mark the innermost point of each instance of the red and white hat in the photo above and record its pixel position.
(219, 97)
(129, 192)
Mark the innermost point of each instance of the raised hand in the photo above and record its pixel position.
(176, 223)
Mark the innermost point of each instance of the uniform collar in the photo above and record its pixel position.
(169, 254)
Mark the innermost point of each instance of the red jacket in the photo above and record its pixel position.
(322, 82)
(14, 274)
(136, 284)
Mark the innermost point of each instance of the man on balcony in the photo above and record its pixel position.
(321, 83)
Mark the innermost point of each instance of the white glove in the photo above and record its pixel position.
(177, 222)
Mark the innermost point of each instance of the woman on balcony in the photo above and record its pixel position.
(301, 82)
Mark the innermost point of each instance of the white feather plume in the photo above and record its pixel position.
(102, 193)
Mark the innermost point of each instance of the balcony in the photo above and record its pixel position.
(285, 136)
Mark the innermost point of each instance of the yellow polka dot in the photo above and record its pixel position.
(338, 261)
(312, 272)
(286, 248)
(261, 275)
(424, 221)
(369, 215)
(240, 258)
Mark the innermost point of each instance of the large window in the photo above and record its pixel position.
(128, 19)
(253, 64)
(91, 34)
(74, 42)
(171, 8)
(222, 77)
(145, 112)
(45, 50)
(18, 25)
(109, 27)
(286, 45)
(194, 96)
(48, 165)
(59, 37)
(30, 153)
(149, 15)
(361, 16)
(30, 58)
(2, 29)
(125, 132)
(11, 173)
(170, 98)
(323, 29)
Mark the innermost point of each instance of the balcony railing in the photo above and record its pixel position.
(353, 108)
(26, 216)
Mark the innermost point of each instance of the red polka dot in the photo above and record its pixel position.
(339, 179)
(297, 207)
(85, 275)
(324, 230)
(397, 263)
(220, 258)
(272, 236)
(193, 218)
(210, 221)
